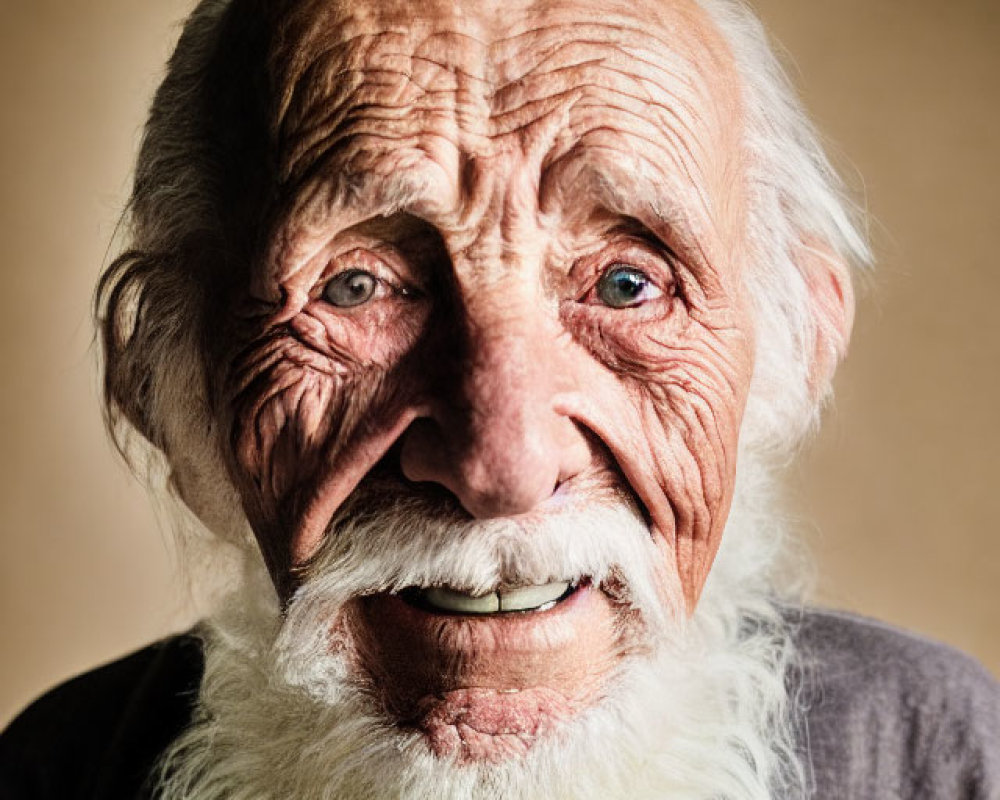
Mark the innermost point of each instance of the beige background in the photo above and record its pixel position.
(899, 490)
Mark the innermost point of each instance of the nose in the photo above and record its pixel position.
(493, 437)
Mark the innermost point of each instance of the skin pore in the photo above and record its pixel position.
(508, 270)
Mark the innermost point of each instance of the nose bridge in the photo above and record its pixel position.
(506, 385)
(495, 439)
(503, 428)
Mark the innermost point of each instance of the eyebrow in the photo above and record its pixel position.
(630, 194)
(335, 189)
(580, 181)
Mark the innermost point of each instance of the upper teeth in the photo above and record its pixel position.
(525, 598)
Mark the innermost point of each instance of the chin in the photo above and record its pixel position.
(429, 656)
(488, 685)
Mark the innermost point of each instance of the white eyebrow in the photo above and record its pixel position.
(335, 198)
(423, 189)
(628, 186)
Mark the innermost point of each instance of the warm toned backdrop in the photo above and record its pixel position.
(899, 490)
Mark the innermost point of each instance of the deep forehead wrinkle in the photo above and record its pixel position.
(331, 55)
(365, 97)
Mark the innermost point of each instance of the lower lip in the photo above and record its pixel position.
(484, 687)
(412, 654)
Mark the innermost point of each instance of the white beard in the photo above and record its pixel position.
(705, 714)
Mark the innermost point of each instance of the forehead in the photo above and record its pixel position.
(406, 104)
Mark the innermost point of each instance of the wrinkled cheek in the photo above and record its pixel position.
(693, 454)
(279, 437)
(287, 421)
(279, 427)
(698, 478)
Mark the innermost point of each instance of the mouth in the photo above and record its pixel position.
(481, 673)
(531, 599)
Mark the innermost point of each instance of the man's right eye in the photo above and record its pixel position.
(352, 287)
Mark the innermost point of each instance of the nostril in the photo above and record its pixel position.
(421, 452)
(390, 466)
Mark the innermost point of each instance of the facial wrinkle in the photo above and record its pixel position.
(436, 123)
(676, 78)
(417, 80)
(602, 61)
(439, 108)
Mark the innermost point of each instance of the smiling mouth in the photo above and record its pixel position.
(474, 672)
(530, 599)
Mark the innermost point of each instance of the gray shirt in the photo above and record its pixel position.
(893, 715)
(887, 715)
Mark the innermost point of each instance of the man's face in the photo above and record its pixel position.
(508, 284)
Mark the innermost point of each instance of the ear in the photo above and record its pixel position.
(200, 481)
(831, 302)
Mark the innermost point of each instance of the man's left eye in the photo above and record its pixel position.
(622, 286)
(351, 288)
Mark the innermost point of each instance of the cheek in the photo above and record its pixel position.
(303, 398)
(292, 405)
(692, 411)
(671, 413)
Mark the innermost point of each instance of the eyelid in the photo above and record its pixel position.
(387, 268)
(361, 259)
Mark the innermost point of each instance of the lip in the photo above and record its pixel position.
(412, 655)
(486, 687)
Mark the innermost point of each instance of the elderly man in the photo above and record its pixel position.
(470, 331)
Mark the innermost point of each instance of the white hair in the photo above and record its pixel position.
(731, 657)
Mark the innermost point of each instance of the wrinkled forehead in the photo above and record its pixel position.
(492, 41)
(402, 104)
(480, 66)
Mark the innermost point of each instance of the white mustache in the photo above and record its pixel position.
(293, 674)
(387, 538)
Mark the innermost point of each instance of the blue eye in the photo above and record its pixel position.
(622, 286)
(351, 288)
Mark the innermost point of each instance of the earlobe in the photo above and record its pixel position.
(831, 301)
(198, 478)
(183, 487)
